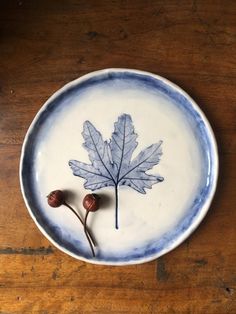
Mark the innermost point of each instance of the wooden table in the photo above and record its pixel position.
(45, 44)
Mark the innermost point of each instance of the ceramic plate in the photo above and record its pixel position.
(138, 141)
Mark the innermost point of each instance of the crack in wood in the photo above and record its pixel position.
(27, 251)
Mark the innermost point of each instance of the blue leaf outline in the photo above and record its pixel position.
(111, 163)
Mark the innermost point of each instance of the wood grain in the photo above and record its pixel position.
(45, 44)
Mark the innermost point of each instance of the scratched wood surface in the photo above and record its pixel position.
(45, 44)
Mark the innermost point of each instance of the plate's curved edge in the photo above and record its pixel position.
(203, 210)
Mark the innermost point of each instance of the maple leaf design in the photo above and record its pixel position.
(112, 164)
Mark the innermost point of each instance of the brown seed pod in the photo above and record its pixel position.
(56, 198)
(91, 202)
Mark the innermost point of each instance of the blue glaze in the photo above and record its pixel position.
(202, 135)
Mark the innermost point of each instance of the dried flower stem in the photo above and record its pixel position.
(87, 232)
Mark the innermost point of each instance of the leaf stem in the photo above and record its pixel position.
(116, 206)
(86, 233)
(81, 220)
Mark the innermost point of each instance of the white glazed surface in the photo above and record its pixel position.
(142, 217)
(149, 215)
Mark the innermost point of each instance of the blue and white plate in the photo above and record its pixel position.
(138, 141)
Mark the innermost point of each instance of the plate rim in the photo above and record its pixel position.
(202, 211)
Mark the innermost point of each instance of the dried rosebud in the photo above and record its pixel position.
(91, 202)
(56, 198)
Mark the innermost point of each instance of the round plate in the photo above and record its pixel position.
(138, 141)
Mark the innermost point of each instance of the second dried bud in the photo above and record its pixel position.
(91, 202)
